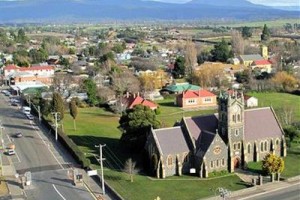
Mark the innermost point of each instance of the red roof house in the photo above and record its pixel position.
(132, 101)
(196, 99)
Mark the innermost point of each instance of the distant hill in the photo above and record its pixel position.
(93, 10)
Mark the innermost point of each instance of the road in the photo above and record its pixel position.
(33, 154)
(289, 193)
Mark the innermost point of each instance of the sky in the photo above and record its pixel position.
(262, 2)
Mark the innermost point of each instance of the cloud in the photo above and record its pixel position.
(277, 2)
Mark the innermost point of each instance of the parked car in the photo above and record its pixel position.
(29, 116)
(11, 152)
(19, 135)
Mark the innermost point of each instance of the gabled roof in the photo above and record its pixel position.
(139, 100)
(251, 57)
(180, 87)
(170, 140)
(11, 67)
(195, 94)
(197, 125)
(262, 62)
(261, 123)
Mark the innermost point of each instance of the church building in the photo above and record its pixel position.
(226, 140)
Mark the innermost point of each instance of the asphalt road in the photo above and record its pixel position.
(50, 179)
(290, 193)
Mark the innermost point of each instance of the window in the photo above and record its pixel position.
(207, 100)
(249, 148)
(211, 164)
(261, 146)
(239, 117)
(234, 146)
(277, 142)
(239, 145)
(170, 161)
(233, 118)
(223, 162)
(266, 145)
(217, 163)
(236, 132)
(191, 101)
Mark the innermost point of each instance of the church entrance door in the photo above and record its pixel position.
(236, 162)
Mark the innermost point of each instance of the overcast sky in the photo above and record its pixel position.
(263, 2)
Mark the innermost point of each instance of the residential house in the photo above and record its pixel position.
(250, 101)
(227, 140)
(196, 99)
(247, 60)
(132, 100)
(262, 66)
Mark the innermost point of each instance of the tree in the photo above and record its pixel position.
(203, 56)
(65, 62)
(136, 124)
(91, 90)
(237, 43)
(130, 169)
(58, 105)
(272, 164)
(221, 51)
(190, 57)
(284, 81)
(73, 111)
(45, 106)
(179, 67)
(292, 133)
(266, 34)
(246, 32)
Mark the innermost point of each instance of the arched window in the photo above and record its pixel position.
(234, 146)
(211, 164)
(239, 145)
(266, 145)
(277, 142)
(261, 146)
(170, 161)
(223, 162)
(249, 148)
(233, 118)
(239, 117)
(217, 163)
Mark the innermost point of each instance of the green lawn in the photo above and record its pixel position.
(292, 162)
(171, 113)
(278, 101)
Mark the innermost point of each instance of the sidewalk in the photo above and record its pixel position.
(259, 189)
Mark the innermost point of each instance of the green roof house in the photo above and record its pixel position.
(180, 87)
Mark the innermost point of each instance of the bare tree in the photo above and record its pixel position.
(130, 168)
(237, 42)
(64, 83)
(125, 81)
(286, 115)
(190, 56)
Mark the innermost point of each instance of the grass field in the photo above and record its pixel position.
(270, 23)
(278, 101)
(97, 126)
(292, 162)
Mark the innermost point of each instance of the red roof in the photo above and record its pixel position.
(197, 93)
(37, 68)
(10, 67)
(262, 62)
(139, 100)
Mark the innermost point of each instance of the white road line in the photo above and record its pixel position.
(37, 131)
(58, 192)
(17, 158)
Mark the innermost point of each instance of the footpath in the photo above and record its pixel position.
(260, 189)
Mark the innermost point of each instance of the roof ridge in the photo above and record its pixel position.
(261, 108)
(167, 128)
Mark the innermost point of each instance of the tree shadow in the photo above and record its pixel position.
(18, 127)
(168, 104)
(115, 156)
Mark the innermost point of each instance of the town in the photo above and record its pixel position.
(149, 111)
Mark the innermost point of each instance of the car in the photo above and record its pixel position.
(29, 116)
(11, 152)
(19, 135)
(14, 104)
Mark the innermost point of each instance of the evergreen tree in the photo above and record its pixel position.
(246, 32)
(221, 51)
(58, 105)
(266, 34)
(135, 124)
(73, 111)
(179, 68)
(91, 90)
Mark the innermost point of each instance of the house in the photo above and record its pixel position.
(262, 65)
(14, 74)
(250, 101)
(226, 140)
(247, 60)
(196, 99)
(178, 88)
(133, 100)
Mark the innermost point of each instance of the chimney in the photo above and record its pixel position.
(138, 94)
(134, 95)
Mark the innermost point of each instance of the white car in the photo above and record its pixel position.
(11, 152)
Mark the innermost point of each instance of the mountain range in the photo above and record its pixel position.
(93, 10)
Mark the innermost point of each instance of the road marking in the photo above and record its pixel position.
(37, 131)
(266, 192)
(58, 192)
(17, 157)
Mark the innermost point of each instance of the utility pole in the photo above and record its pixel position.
(39, 111)
(101, 165)
(56, 124)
